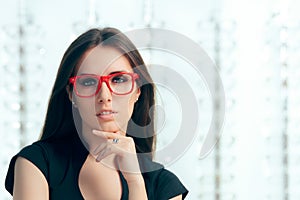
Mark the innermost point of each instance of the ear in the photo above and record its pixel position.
(137, 94)
(70, 93)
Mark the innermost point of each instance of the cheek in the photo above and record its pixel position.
(130, 106)
(124, 105)
(86, 108)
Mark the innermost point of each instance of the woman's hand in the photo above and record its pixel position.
(123, 148)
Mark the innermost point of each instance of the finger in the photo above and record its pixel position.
(103, 154)
(104, 134)
(99, 148)
(122, 146)
(99, 133)
(115, 140)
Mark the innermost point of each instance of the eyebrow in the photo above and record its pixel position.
(114, 72)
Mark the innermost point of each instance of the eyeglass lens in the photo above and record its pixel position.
(87, 85)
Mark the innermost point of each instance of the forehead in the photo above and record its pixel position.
(103, 60)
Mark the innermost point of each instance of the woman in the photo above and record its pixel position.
(98, 136)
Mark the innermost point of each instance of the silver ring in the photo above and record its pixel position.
(115, 140)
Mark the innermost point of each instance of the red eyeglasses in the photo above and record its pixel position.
(87, 85)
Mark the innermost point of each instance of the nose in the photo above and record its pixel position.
(104, 94)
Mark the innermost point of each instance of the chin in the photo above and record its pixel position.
(109, 127)
(112, 126)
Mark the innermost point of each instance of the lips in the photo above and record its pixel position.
(106, 114)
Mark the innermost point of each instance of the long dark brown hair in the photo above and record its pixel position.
(59, 124)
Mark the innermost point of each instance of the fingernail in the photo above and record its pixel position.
(99, 157)
(95, 151)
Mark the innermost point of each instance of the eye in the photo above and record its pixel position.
(120, 78)
(87, 81)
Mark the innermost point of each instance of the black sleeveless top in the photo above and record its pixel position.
(61, 162)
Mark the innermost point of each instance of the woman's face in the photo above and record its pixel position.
(105, 111)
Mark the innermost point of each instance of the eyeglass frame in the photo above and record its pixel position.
(101, 79)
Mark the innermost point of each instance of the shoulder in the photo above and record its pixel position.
(163, 184)
(43, 156)
(27, 172)
(44, 149)
(33, 153)
(36, 153)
